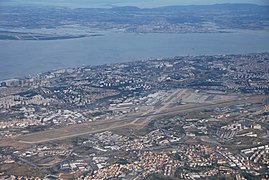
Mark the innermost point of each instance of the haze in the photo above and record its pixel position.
(112, 3)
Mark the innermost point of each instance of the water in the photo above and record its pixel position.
(21, 58)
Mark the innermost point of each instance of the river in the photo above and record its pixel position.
(22, 58)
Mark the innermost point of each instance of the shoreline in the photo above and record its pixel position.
(66, 69)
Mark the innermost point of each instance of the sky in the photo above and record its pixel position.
(138, 3)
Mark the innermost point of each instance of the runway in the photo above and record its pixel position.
(134, 119)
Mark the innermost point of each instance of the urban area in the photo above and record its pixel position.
(190, 117)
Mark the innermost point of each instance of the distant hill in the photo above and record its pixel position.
(169, 19)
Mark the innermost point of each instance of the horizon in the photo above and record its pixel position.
(121, 3)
